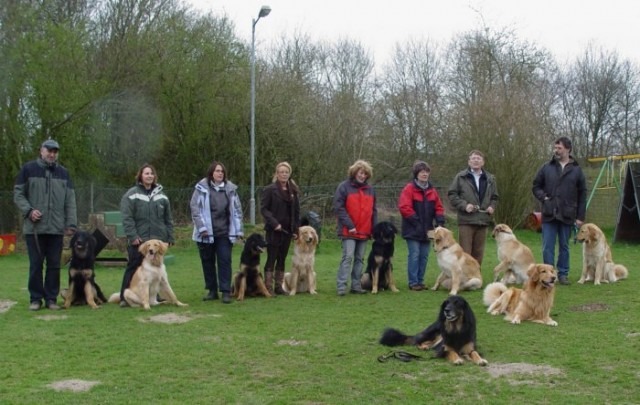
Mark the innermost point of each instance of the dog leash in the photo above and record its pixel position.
(399, 355)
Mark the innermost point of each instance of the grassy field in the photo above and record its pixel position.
(317, 349)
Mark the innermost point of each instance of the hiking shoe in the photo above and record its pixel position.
(340, 293)
(226, 298)
(563, 280)
(357, 291)
(213, 295)
(35, 306)
(53, 306)
(417, 287)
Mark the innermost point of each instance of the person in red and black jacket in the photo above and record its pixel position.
(355, 206)
(420, 207)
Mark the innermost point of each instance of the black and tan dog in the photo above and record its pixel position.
(379, 273)
(83, 289)
(451, 336)
(248, 282)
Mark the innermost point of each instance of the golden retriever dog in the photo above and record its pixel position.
(302, 277)
(458, 270)
(531, 303)
(597, 264)
(514, 256)
(150, 280)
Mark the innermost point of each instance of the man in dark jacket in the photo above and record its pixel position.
(46, 198)
(561, 188)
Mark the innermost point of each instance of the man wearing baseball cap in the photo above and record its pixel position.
(46, 198)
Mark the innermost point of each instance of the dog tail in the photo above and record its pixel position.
(620, 271)
(393, 337)
(115, 298)
(492, 292)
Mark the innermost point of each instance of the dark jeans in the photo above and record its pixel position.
(134, 261)
(277, 253)
(49, 248)
(219, 251)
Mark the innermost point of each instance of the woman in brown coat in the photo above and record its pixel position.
(280, 208)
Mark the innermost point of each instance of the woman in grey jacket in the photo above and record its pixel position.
(217, 223)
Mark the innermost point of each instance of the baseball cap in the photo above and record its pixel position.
(50, 144)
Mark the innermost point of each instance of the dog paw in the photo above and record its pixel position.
(581, 281)
(458, 362)
(515, 321)
(551, 322)
(313, 292)
(482, 362)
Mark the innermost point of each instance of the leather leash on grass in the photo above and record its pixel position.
(399, 355)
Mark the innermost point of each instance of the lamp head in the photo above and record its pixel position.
(264, 11)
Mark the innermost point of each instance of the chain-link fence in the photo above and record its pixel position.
(94, 198)
(318, 198)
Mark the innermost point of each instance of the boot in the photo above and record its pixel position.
(268, 281)
(279, 281)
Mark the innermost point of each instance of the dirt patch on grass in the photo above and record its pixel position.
(291, 342)
(73, 385)
(51, 317)
(593, 307)
(633, 334)
(510, 370)
(176, 318)
(6, 305)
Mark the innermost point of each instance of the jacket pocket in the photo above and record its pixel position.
(569, 211)
(548, 207)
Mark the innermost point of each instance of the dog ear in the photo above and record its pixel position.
(533, 272)
(164, 247)
(144, 248)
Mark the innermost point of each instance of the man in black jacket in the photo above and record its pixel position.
(561, 188)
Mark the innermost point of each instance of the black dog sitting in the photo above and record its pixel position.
(249, 282)
(379, 273)
(451, 336)
(83, 288)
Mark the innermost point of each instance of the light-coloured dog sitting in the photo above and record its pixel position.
(514, 256)
(597, 262)
(150, 280)
(302, 277)
(458, 270)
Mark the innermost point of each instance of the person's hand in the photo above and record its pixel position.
(136, 242)
(579, 223)
(295, 236)
(490, 210)
(353, 231)
(278, 228)
(35, 215)
(470, 208)
(69, 231)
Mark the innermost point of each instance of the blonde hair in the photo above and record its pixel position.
(360, 165)
(292, 184)
(275, 174)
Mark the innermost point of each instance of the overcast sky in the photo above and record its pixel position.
(565, 27)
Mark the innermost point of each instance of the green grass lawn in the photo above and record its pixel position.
(317, 349)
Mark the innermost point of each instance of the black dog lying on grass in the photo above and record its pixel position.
(451, 336)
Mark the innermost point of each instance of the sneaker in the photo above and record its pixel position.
(226, 298)
(340, 293)
(53, 306)
(357, 291)
(416, 287)
(213, 295)
(563, 280)
(35, 306)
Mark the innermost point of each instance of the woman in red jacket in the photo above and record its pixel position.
(355, 206)
(420, 207)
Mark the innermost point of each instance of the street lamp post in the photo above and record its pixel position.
(264, 11)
